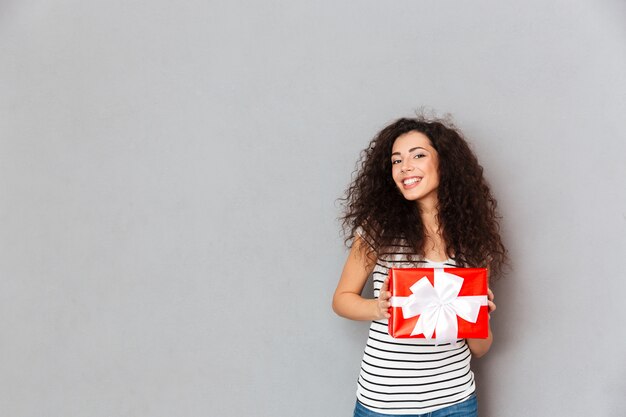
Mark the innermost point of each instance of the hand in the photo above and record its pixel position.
(490, 303)
(382, 303)
(479, 347)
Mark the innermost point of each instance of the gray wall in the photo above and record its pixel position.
(168, 181)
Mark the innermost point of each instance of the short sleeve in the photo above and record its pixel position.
(360, 232)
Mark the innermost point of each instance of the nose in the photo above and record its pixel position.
(406, 166)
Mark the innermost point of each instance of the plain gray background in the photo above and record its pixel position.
(169, 175)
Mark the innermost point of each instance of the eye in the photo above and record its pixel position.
(395, 161)
(419, 155)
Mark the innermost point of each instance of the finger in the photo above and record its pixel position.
(385, 286)
(492, 306)
(490, 295)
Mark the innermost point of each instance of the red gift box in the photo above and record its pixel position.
(440, 304)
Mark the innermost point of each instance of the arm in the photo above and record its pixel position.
(347, 301)
(479, 347)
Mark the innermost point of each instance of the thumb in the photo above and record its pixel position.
(384, 290)
(385, 286)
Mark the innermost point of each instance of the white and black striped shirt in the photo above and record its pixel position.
(411, 376)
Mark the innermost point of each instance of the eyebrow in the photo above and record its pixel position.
(410, 150)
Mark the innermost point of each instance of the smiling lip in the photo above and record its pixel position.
(411, 182)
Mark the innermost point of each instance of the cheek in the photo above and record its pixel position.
(434, 170)
(436, 178)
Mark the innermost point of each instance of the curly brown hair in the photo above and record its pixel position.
(374, 207)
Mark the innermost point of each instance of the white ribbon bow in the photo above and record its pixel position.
(439, 306)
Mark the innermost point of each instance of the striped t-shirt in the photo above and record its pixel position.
(411, 376)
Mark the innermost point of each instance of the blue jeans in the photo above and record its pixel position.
(468, 408)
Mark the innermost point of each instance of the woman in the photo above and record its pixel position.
(419, 199)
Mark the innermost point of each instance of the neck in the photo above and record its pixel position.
(434, 245)
(431, 223)
(430, 218)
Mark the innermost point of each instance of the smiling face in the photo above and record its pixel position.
(415, 168)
